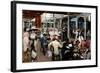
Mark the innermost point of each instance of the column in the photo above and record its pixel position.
(54, 20)
(60, 22)
(38, 21)
(77, 22)
(68, 31)
(76, 25)
(84, 27)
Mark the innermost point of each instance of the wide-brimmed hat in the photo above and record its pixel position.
(27, 29)
(33, 27)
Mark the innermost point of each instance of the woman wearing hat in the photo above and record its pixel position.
(26, 46)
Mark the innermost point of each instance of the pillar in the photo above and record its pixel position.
(38, 21)
(84, 27)
(60, 23)
(68, 31)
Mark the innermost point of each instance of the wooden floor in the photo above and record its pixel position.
(40, 56)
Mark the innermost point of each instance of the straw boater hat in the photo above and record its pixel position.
(78, 29)
(33, 27)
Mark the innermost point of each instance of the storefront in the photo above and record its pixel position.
(60, 21)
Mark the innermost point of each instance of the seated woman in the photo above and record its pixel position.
(67, 50)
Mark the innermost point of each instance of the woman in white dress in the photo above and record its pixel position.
(26, 46)
(26, 40)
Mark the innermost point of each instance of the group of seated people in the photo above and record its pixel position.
(70, 50)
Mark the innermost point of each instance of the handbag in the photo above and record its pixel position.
(49, 53)
(34, 54)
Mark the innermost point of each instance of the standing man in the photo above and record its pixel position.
(44, 43)
(56, 45)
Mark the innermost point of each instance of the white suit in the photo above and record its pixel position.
(56, 45)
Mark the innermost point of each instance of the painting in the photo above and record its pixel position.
(47, 36)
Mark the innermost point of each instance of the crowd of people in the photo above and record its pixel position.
(55, 47)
